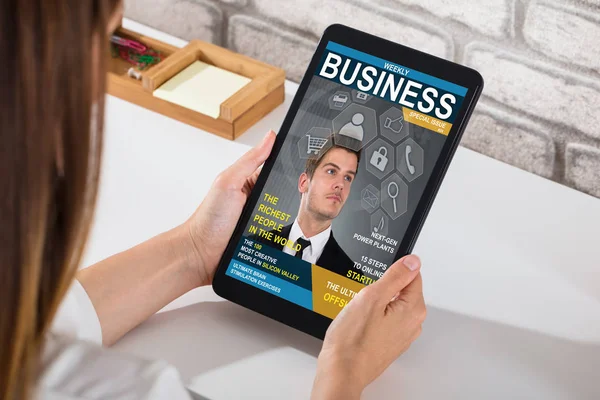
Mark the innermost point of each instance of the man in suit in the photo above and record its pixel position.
(324, 187)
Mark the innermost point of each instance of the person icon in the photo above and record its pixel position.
(354, 128)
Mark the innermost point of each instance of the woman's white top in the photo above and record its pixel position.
(74, 364)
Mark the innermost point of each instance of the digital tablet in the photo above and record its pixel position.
(355, 168)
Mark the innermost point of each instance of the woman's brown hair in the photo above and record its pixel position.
(51, 78)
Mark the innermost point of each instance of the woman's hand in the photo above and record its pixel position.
(130, 286)
(211, 226)
(374, 329)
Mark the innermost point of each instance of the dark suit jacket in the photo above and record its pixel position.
(333, 257)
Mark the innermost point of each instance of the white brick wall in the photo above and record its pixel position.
(248, 35)
(564, 32)
(186, 19)
(540, 60)
(235, 2)
(516, 141)
(315, 15)
(536, 89)
(583, 168)
(490, 17)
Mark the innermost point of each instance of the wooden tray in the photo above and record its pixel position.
(237, 114)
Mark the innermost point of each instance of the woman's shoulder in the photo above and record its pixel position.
(78, 369)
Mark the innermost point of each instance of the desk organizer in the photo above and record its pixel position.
(256, 99)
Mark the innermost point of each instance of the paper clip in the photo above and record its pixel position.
(132, 44)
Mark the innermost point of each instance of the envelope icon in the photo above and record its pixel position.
(370, 198)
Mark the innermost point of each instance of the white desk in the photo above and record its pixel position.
(511, 273)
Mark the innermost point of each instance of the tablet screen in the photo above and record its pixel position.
(346, 181)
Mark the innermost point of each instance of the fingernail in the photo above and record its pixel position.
(267, 136)
(412, 262)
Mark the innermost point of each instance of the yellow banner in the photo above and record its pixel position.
(427, 122)
(331, 292)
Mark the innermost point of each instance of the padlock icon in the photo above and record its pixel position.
(379, 158)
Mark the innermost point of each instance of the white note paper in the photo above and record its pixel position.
(201, 87)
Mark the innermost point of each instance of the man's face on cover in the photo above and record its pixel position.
(329, 187)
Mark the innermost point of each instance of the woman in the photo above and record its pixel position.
(51, 87)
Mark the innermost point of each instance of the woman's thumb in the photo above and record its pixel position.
(398, 276)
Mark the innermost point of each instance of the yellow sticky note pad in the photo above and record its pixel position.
(201, 87)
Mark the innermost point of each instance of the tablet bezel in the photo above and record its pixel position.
(290, 313)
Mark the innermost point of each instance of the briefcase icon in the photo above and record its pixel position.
(379, 158)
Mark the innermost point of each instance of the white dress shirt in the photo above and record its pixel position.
(317, 243)
(75, 366)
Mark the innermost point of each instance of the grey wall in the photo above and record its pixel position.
(540, 59)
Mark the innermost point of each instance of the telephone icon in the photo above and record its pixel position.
(411, 168)
(411, 159)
